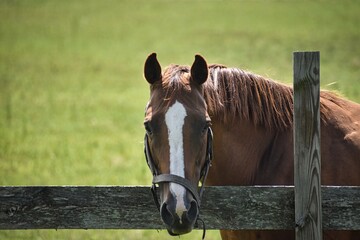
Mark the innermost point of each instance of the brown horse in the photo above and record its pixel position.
(252, 120)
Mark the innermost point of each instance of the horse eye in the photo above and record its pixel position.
(148, 128)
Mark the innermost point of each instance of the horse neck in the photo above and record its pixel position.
(238, 150)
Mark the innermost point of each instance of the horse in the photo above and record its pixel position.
(251, 119)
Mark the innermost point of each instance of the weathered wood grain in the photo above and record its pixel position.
(307, 161)
(226, 207)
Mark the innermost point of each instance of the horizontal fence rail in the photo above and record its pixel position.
(119, 207)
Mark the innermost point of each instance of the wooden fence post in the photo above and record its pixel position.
(307, 165)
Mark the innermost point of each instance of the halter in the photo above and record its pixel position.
(196, 191)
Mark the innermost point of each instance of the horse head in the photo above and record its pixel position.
(177, 140)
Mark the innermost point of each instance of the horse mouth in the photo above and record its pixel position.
(179, 231)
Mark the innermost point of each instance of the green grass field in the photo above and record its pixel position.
(72, 94)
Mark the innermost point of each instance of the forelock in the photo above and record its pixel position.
(176, 77)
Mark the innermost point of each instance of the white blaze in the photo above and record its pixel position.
(174, 119)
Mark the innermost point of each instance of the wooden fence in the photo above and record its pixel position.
(308, 207)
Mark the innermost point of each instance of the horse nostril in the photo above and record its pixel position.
(193, 211)
(166, 215)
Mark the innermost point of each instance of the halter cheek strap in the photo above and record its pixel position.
(148, 156)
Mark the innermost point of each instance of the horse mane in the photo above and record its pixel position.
(232, 93)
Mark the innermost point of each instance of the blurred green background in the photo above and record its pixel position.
(72, 93)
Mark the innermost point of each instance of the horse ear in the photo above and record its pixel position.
(199, 70)
(152, 69)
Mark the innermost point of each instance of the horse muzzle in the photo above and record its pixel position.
(179, 218)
